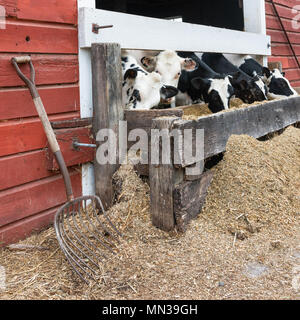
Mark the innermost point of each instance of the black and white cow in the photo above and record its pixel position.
(206, 85)
(278, 85)
(166, 63)
(141, 89)
(248, 88)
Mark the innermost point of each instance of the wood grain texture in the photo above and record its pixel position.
(30, 37)
(162, 182)
(255, 121)
(189, 198)
(29, 199)
(57, 99)
(108, 110)
(23, 168)
(50, 69)
(26, 135)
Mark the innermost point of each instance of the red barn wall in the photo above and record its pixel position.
(30, 194)
(281, 50)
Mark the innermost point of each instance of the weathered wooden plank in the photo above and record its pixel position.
(48, 10)
(108, 110)
(30, 37)
(17, 103)
(255, 121)
(49, 68)
(189, 198)
(72, 156)
(162, 180)
(142, 119)
(26, 135)
(23, 168)
(32, 198)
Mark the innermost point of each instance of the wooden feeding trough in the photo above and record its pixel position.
(176, 196)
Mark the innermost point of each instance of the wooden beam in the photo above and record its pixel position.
(162, 181)
(108, 110)
(255, 121)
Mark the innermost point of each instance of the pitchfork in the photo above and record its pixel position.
(83, 231)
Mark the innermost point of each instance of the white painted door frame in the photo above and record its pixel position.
(179, 35)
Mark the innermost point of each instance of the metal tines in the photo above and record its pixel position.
(86, 235)
(84, 232)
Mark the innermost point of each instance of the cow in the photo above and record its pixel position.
(278, 85)
(249, 89)
(142, 89)
(166, 63)
(206, 85)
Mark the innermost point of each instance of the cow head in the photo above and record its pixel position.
(278, 85)
(143, 90)
(215, 92)
(249, 91)
(169, 66)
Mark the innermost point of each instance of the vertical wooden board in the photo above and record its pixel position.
(49, 69)
(17, 103)
(108, 110)
(32, 198)
(162, 181)
(22, 229)
(23, 168)
(30, 37)
(25, 135)
(189, 198)
(48, 10)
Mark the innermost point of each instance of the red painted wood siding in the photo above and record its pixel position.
(281, 50)
(30, 194)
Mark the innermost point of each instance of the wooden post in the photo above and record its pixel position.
(162, 180)
(107, 102)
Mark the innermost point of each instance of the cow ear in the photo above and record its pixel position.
(283, 73)
(266, 72)
(200, 83)
(148, 62)
(188, 64)
(130, 74)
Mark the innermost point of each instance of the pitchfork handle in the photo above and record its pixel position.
(45, 121)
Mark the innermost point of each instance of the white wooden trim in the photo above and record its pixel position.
(138, 32)
(86, 103)
(255, 20)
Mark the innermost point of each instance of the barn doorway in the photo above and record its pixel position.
(217, 13)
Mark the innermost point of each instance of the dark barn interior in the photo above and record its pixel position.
(217, 13)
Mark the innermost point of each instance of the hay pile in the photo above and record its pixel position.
(201, 110)
(257, 185)
(203, 263)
